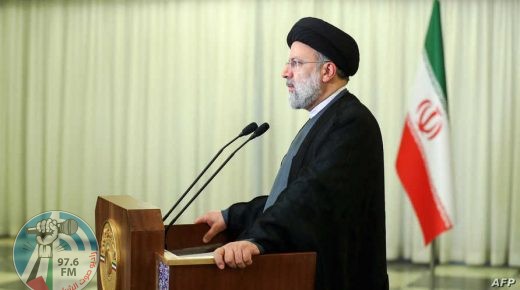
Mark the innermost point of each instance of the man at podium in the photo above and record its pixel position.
(328, 195)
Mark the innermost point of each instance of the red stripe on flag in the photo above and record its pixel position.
(37, 284)
(411, 168)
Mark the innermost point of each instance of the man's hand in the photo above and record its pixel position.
(236, 254)
(215, 220)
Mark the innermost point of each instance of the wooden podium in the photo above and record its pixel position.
(130, 234)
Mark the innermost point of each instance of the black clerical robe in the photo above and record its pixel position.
(333, 203)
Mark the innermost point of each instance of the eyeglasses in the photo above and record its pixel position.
(296, 63)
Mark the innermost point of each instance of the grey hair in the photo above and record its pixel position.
(322, 58)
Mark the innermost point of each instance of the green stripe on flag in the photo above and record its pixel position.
(434, 48)
(49, 281)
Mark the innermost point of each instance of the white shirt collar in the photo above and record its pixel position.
(324, 103)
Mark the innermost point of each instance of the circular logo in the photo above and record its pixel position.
(109, 256)
(55, 250)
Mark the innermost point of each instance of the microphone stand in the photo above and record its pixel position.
(197, 179)
(247, 130)
(261, 130)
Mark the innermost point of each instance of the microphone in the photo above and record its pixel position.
(252, 127)
(258, 132)
(248, 130)
(67, 227)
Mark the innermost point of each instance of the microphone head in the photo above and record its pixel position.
(261, 130)
(248, 129)
(68, 227)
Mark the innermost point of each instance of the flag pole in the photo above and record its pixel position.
(432, 265)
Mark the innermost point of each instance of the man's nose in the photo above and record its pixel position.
(286, 72)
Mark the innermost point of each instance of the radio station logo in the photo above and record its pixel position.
(56, 250)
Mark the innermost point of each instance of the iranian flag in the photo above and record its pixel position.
(423, 161)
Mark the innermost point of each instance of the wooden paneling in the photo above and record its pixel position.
(295, 271)
(140, 235)
(141, 241)
(288, 271)
(186, 236)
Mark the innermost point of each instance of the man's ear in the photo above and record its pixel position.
(328, 71)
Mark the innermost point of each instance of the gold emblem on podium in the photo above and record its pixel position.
(109, 256)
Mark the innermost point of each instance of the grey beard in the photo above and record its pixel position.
(305, 92)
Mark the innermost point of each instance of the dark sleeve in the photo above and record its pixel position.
(332, 193)
(242, 215)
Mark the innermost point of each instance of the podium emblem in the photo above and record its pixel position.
(109, 256)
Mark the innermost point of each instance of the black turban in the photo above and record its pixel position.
(329, 40)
